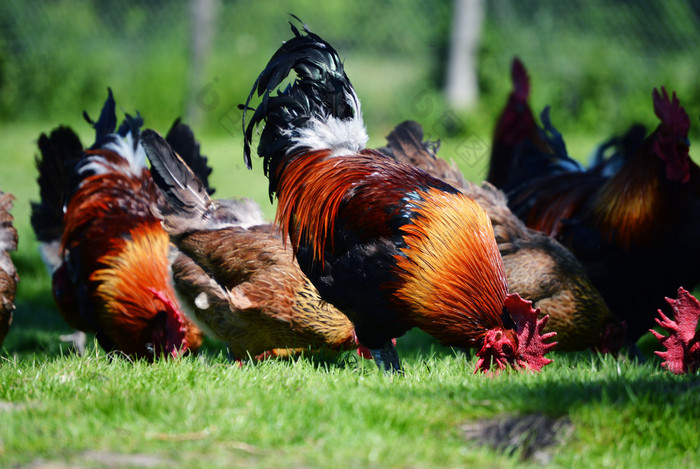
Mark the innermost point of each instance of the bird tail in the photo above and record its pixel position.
(59, 153)
(185, 193)
(181, 139)
(405, 144)
(319, 110)
(115, 149)
(188, 206)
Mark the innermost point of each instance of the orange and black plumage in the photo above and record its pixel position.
(538, 267)
(386, 243)
(632, 224)
(107, 253)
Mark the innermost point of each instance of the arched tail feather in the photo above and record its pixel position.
(318, 110)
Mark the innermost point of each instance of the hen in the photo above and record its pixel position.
(536, 266)
(235, 274)
(634, 228)
(387, 244)
(8, 273)
(107, 252)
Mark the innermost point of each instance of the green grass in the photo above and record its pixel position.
(58, 409)
(205, 412)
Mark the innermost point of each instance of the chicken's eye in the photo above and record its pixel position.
(507, 349)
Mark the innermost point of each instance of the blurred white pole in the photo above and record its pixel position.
(202, 15)
(462, 88)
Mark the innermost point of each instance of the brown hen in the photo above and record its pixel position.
(237, 276)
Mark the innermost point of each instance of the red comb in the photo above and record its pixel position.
(683, 342)
(531, 346)
(521, 81)
(672, 131)
(671, 113)
(531, 349)
(492, 352)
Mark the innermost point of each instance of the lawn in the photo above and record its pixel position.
(62, 410)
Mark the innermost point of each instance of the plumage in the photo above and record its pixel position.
(380, 240)
(109, 254)
(8, 272)
(536, 265)
(238, 276)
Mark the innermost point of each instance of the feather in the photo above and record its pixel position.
(181, 139)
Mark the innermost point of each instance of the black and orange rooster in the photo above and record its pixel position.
(107, 252)
(632, 224)
(537, 266)
(8, 273)
(235, 274)
(387, 244)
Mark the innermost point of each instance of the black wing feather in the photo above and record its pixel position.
(181, 139)
(59, 153)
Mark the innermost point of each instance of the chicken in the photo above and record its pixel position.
(682, 354)
(107, 253)
(236, 275)
(634, 228)
(536, 266)
(8, 273)
(387, 244)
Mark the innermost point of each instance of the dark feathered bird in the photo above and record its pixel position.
(389, 245)
(634, 227)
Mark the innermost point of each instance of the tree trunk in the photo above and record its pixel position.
(202, 15)
(462, 88)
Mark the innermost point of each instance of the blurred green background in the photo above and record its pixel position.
(594, 62)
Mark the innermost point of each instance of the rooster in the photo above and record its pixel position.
(536, 266)
(634, 228)
(8, 273)
(387, 244)
(108, 254)
(235, 274)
